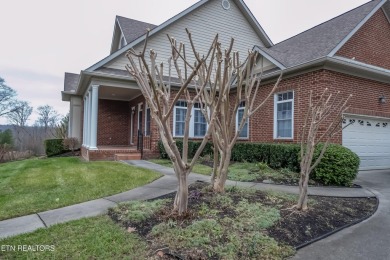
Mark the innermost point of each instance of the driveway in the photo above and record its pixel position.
(367, 240)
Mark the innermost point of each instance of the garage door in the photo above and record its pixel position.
(369, 138)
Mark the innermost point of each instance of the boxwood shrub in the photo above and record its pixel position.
(339, 165)
(54, 147)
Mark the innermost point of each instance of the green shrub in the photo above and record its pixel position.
(339, 166)
(54, 147)
(275, 155)
(192, 148)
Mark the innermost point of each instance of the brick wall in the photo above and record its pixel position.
(113, 122)
(371, 43)
(365, 101)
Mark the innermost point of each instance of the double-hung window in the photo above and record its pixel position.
(284, 115)
(198, 123)
(245, 129)
(180, 117)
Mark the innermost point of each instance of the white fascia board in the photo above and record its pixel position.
(142, 38)
(270, 58)
(386, 14)
(373, 11)
(120, 28)
(260, 31)
(360, 65)
(113, 35)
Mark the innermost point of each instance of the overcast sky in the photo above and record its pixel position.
(42, 39)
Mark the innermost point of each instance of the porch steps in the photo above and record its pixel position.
(127, 156)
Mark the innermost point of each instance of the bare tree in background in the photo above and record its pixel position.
(18, 118)
(326, 111)
(62, 128)
(47, 117)
(7, 99)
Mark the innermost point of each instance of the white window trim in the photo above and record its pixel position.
(276, 102)
(192, 122)
(247, 121)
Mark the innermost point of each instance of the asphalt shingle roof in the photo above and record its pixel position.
(320, 40)
(132, 29)
(71, 81)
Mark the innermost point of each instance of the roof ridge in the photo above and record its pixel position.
(325, 22)
(134, 20)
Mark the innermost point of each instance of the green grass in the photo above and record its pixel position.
(198, 168)
(91, 238)
(37, 185)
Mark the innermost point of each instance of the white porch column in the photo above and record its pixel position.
(94, 116)
(88, 121)
(85, 122)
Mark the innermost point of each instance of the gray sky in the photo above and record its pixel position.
(42, 39)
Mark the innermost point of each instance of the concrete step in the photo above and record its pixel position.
(127, 156)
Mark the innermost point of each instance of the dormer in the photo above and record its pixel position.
(127, 30)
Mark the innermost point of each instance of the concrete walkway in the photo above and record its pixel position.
(367, 240)
(162, 186)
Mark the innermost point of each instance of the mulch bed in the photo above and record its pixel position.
(294, 228)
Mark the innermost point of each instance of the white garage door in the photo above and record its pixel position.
(369, 138)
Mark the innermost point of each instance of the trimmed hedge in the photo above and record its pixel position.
(54, 147)
(192, 148)
(339, 166)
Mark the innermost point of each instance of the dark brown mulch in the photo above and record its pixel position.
(325, 214)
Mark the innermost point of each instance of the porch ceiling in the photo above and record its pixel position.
(115, 93)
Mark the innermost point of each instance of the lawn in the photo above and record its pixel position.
(91, 238)
(37, 185)
(244, 171)
(198, 168)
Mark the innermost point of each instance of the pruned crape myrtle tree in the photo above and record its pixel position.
(161, 96)
(324, 111)
(238, 87)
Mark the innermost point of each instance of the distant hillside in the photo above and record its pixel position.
(5, 127)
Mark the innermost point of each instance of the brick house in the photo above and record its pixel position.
(349, 53)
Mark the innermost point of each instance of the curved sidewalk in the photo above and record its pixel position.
(162, 186)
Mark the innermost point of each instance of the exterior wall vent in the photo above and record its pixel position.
(226, 4)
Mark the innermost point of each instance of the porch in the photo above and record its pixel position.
(115, 125)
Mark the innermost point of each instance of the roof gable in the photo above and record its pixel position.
(130, 29)
(324, 39)
(239, 3)
(371, 43)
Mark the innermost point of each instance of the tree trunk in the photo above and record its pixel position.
(220, 181)
(181, 200)
(215, 164)
(303, 186)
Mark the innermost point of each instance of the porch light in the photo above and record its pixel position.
(382, 99)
